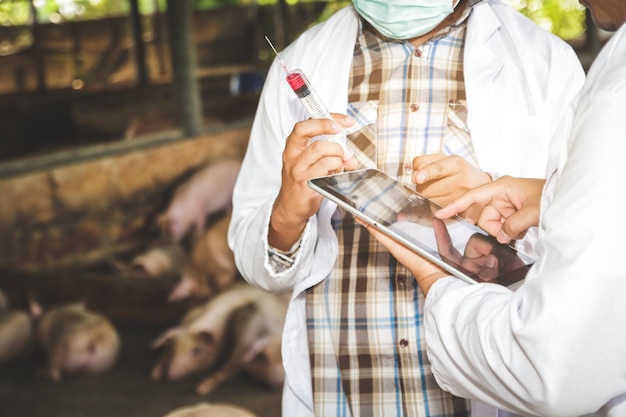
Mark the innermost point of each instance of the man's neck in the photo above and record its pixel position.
(448, 21)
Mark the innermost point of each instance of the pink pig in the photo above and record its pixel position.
(211, 267)
(210, 410)
(257, 330)
(162, 258)
(16, 334)
(198, 341)
(208, 191)
(77, 340)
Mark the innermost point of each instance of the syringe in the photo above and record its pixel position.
(303, 89)
(301, 85)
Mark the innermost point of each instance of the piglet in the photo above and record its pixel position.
(210, 410)
(197, 342)
(16, 334)
(256, 332)
(77, 341)
(162, 258)
(211, 267)
(207, 192)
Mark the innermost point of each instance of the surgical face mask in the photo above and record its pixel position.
(404, 19)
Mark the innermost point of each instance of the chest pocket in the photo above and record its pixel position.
(457, 139)
(362, 135)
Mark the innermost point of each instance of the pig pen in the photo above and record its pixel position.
(62, 218)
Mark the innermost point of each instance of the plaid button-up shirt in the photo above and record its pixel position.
(364, 321)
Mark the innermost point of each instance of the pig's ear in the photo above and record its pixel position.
(255, 348)
(35, 308)
(183, 289)
(206, 337)
(165, 336)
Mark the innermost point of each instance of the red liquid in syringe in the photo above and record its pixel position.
(303, 89)
(309, 98)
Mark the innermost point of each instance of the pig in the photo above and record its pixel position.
(76, 341)
(163, 258)
(197, 342)
(256, 333)
(16, 334)
(210, 410)
(207, 192)
(211, 267)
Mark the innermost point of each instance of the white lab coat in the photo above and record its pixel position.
(557, 346)
(518, 79)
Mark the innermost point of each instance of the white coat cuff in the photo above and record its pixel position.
(279, 270)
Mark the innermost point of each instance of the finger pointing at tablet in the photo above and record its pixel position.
(511, 206)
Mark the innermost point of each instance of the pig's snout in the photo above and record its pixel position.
(174, 375)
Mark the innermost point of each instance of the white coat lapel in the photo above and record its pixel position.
(481, 62)
(501, 109)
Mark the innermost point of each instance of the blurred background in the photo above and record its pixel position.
(76, 73)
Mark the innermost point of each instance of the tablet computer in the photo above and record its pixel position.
(456, 245)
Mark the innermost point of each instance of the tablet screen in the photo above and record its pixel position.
(460, 247)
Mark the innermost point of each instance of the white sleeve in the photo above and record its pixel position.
(257, 187)
(555, 346)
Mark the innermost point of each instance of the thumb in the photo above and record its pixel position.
(516, 225)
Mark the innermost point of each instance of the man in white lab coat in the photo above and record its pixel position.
(555, 347)
(477, 80)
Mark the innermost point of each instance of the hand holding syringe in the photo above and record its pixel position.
(311, 101)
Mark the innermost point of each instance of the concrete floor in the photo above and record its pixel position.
(125, 391)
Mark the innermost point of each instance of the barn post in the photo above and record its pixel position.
(38, 52)
(139, 45)
(183, 56)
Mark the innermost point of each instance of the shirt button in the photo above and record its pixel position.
(404, 343)
(414, 107)
(418, 53)
(401, 280)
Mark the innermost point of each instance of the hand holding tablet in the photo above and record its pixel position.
(459, 247)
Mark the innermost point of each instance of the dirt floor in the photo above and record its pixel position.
(125, 391)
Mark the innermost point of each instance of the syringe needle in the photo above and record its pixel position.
(277, 55)
(311, 101)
